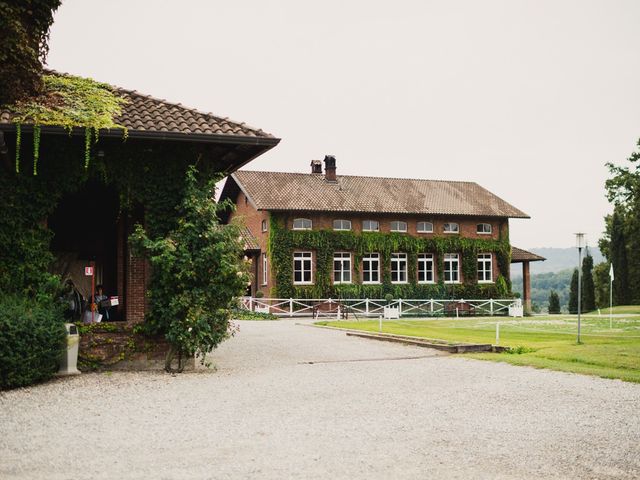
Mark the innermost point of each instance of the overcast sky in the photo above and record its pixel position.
(527, 98)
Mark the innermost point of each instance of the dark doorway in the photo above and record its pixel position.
(85, 228)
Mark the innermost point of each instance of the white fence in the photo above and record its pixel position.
(367, 307)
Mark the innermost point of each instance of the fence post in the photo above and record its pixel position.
(491, 306)
(291, 307)
(366, 306)
(497, 333)
(338, 314)
(431, 305)
(399, 307)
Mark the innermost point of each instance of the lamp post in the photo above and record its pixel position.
(580, 243)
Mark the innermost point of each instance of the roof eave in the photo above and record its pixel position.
(269, 142)
(443, 214)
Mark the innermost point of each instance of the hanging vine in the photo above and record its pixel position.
(36, 148)
(18, 145)
(69, 102)
(283, 242)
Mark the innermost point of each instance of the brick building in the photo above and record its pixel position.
(153, 125)
(321, 234)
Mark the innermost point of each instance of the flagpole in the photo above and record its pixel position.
(611, 297)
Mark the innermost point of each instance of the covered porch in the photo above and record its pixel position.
(524, 257)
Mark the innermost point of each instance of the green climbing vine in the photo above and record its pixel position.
(283, 242)
(68, 101)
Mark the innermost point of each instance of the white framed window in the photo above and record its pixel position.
(398, 226)
(302, 268)
(451, 227)
(342, 224)
(302, 224)
(485, 268)
(265, 271)
(341, 267)
(264, 225)
(371, 268)
(484, 228)
(425, 268)
(398, 268)
(425, 227)
(370, 226)
(451, 268)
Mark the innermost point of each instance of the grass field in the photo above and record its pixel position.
(623, 309)
(547, 342)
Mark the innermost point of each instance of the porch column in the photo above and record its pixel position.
(526, 287)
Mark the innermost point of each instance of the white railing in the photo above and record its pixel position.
(368, 307)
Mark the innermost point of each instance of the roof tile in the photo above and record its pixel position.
(146, 113)
(311, 192)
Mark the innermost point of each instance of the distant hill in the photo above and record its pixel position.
(558, 259)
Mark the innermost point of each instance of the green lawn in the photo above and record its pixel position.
(623, 309)
(551, 341)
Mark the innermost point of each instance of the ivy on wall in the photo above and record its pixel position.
(131, 169)
(283, 242)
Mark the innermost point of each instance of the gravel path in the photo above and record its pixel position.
(362, 409)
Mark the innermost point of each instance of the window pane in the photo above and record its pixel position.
(302, 224)
(425, 227)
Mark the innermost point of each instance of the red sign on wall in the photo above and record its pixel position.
(88, 271)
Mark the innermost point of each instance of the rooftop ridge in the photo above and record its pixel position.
(466, 182)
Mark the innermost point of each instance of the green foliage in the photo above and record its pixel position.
(588, 288)
(622, 236)
(543, 283)
(519, 350)
(601, 284)
(24, 30)
(618, 257)
(325, 242)
(554, 302)
(68, 101)
(197, 273)
(26, 202)
(32, 340)
(242, 314)
(573, 293)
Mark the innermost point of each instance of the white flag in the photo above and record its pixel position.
(611, 272)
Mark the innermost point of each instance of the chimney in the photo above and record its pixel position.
(316, 166)
(330, 168)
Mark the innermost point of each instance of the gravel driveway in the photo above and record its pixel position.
(361, 409)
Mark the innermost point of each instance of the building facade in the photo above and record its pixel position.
(320, 235)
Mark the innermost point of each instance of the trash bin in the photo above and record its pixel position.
(69, 362)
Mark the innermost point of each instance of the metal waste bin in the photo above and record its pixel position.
(69, 362)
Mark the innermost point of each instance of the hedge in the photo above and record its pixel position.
(32, 340)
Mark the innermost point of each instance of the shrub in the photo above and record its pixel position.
(241, 314)
(32, 340)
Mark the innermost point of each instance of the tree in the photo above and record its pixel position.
(601, 284)
(554, 302)
(573, 293)
(618, 257)
(588, 290)
(198, 272)
(24, 30)
(623, 229)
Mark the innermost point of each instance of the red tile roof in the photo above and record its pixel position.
(311, 192)
(145, 114)
(519, 255)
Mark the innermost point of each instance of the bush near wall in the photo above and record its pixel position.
(32, 340)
